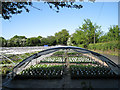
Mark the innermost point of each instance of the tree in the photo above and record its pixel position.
(78, 37)
(20, 37)
(44, 41)
(10, 8)
(62, 37)
(103, 38)
(3, 42)
(111, 35)
(51, 40)
(17, 41)
(33, 41)
(39, 37)
(86, 34)
(92, 30)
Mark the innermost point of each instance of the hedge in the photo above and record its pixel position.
(114, 45)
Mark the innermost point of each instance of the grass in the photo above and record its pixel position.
(109, 52)
(110, 48)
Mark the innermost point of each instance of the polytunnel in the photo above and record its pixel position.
(40, 56)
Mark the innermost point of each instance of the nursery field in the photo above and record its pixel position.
(55, 66)
(49, 71)
(62, 69)
(9, 61)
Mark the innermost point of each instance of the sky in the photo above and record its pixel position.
(47, 22)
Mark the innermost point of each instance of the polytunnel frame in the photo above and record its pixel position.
(114, 67)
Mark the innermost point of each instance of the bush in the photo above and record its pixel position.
(42, 72)
(105, 46)
(89, 71)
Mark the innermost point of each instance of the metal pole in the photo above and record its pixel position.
(8, 59)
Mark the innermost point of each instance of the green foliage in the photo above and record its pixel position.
(53, 59)
(82, 37)
(42, 72)
(62, 37)
(59, 53)
(81, 45)
(112, 35)
(22, 41)
(10, 8)
(16, 41)
(73, 53)
(3, 42)
(5, 70)
(51, 40)
(39, 37)
(86, 33)
(89, 71)
(44, 41)
(114, 45)
(5, 61)
(33, 41)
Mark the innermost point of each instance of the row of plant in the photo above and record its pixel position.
(7, 66)
(5, 70)
(89, 71)
(68, 53)
(81, 60)
(71, 60)
(15, 58)
(42, 72)
(53, 60)
(47, 71)
(74, 53)
(59, 53)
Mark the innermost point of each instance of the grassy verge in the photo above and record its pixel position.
(109, 48)
(109, 52)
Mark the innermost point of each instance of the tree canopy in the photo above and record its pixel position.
(84, 35)
(62, 37)
(112, 35)
(87, 33)
(33, 41)
(3, 41)
(10, 8)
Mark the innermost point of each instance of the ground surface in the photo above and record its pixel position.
(115, 59)
(66, 82)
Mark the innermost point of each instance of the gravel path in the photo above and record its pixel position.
(115, 59)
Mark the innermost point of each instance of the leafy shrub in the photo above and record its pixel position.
(89, 71)
(42, 72)
(105, 46)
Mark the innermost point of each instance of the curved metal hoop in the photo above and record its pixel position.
(114, 67)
